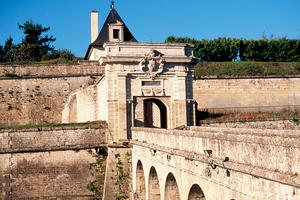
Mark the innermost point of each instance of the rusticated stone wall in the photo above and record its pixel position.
(48, 163)
(37, 94)
(248, 94)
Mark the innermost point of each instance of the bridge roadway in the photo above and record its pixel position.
(204, 163)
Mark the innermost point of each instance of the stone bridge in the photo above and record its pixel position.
(213, 163)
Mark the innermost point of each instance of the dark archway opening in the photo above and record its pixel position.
(155, 113)
(196, 193)
(153, 190)
(171, 188)
(140, 182)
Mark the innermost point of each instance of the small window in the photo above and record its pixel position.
(151, 83)
(116, 33)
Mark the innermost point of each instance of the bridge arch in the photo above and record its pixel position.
(171, 188)
(140, 182)
(153, 185)
(155, 113)
(196, 193)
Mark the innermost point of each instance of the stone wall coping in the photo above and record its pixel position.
(79, 63)
(49, 71)
(99, 125)
(51, 76)
(235, 131)
(287, 138)
(35, 140)
(246, 77)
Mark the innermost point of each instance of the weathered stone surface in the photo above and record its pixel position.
(48, 162)
(40, 96)
(278, 124)
(248, 94)
(118, 177)
(243, 164)
(136, 73)
(51, 139)
(58, 175)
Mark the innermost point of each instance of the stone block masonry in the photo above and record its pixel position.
(247, 94)
(48, 163)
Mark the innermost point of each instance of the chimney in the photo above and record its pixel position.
(94, 25)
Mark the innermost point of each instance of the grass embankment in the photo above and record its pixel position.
(242, 69)
(206, 117)
(53, 62)
(214, 69)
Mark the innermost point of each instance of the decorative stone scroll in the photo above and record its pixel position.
(153, 92)
(152, 64)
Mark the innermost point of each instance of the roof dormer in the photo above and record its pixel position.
(113, 30)
(116, 32)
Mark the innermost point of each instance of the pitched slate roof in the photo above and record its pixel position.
(103, 37)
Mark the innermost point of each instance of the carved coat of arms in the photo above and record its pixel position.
(152, 64)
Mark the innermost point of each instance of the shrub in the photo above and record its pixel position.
(59, 54)
(235, 69)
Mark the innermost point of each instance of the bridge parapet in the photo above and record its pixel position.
(269, 154)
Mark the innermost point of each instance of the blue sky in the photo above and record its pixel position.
(153, 20)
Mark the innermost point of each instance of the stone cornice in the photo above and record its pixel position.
(137, 59)
(144, 44)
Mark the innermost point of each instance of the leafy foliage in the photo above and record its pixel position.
(59, 54)
(7, 53)
(238, 69)
(233, 49)
(35, 46)
(97, 169)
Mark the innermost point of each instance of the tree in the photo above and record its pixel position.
(229, 49)
(34, 45)
(7, 51)
(1, 54)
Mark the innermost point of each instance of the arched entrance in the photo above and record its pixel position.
(171, 188)
(196, 193)
(155, 113)
(153, 185)
(140, 182)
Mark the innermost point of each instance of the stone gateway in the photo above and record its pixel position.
(151, 149)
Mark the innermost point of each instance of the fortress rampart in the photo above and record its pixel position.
(48, 162)
(34, 94)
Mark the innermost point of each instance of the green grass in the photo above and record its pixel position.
(47, 125)
(238, 69)
(206, 116)
(54, 61)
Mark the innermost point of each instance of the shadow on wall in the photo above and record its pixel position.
(246, 114)
(204, 115)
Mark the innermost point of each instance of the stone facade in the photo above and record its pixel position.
(135, 73)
